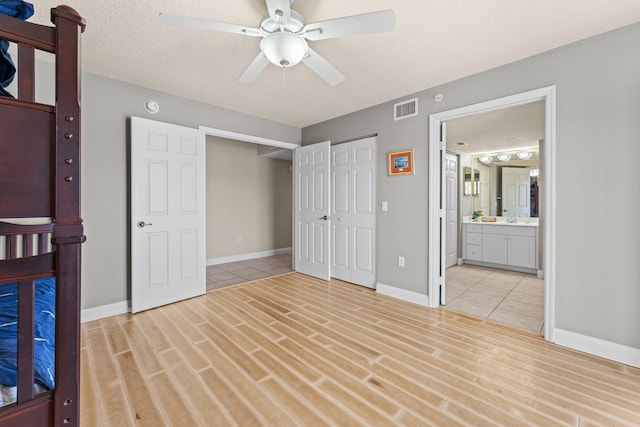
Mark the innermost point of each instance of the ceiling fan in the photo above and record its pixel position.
(284, 36)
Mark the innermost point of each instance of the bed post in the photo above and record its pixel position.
(68, 232)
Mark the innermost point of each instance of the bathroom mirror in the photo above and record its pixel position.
(471, 178)
(497, 192)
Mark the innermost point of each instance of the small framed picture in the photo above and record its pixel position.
(401, 162)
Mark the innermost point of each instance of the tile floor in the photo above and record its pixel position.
(221, 275)
(506, 296)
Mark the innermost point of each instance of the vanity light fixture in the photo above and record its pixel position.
(485, 159)
(524, 155)
(504, 157)
(534, 172)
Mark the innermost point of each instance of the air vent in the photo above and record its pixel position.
(405, 109)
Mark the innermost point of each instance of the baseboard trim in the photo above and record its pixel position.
(403, 294)
(597, 347)
(244, 257)
(502, 266)
(100, 312)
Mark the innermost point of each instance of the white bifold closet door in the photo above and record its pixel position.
(311, 172)
(353, 208)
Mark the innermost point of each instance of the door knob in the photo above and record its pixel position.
(324, 218)
(142, 224)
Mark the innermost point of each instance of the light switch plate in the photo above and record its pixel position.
(385, 206)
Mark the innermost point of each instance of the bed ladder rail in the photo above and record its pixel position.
(26, 374)
(68, 234)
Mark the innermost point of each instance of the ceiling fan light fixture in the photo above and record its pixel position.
(285, 35)
(284, 49)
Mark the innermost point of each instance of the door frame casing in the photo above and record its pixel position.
(436, 214)
(258, 140)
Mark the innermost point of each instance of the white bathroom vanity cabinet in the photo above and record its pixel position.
(501, 245)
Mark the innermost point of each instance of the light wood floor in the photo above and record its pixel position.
(292, 350)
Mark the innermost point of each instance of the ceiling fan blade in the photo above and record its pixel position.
(189, 22)
(279, 10)
(321, 67)
(254, 69)
(374, 22)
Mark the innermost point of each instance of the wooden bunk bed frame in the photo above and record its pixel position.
(39, 178)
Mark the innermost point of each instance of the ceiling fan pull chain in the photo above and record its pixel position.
(284, 79)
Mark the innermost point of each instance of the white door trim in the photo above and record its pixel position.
(548, 94)
(247, 138)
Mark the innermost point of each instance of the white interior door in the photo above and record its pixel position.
(516, 195)
(353, 212)
(168, 213)
(312, 179)
(341, 212)
(442, 225)
(451, 209)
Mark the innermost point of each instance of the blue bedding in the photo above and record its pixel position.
(44, 332)
(18, 9)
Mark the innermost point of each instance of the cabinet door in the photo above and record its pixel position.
(522, 251)
(474, 252)
(494, 248)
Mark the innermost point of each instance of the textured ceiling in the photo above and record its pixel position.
(434, 42)
(506, 129)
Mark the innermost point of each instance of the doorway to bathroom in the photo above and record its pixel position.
(510, 278)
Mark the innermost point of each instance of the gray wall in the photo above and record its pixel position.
(247, 196)
(597, 155)
(106, 107)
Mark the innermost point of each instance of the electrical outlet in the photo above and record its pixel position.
(239, 238)
(385, 206)
(400, 261)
